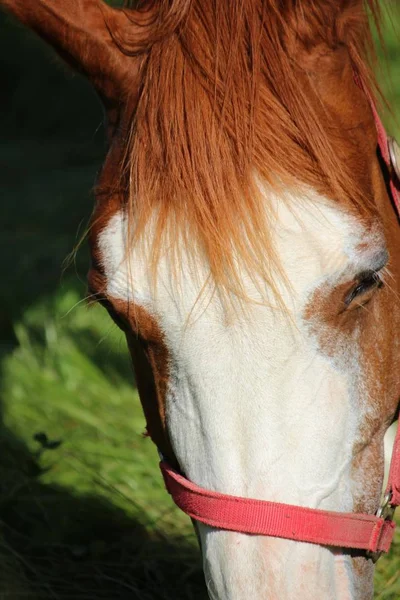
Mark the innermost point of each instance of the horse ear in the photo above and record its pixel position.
(84, 33)
(329, 23)
(326, 35)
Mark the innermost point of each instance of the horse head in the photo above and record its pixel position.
(246, 241)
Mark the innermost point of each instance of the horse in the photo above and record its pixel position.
(246, 240)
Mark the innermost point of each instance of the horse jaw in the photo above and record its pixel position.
(268, 404)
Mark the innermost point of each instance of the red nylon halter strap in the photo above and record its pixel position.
(392, 494)
(261, 517)
(372, 533)
(393, 486)
(383, 143)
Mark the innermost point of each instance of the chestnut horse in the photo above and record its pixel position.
(245, 240)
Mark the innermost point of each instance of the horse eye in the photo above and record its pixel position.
(368, 281)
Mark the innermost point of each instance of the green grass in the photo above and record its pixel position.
(81, 487)
(83, 512)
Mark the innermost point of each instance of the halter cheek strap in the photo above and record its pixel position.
(383, 142)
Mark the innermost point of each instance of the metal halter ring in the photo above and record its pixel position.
(386, 512)
(394, 153)
(386, 509)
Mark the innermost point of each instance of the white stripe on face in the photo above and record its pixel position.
(254, 406)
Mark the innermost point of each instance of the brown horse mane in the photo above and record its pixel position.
(225, 96)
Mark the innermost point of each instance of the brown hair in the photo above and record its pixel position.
(225, 97)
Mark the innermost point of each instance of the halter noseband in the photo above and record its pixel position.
(372, 533)
(262, 517)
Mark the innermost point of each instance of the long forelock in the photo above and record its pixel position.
(223, 106)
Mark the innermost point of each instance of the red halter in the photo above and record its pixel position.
(373, 533)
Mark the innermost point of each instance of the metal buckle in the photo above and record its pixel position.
(394, 154)
(385, 512)
(386, 509)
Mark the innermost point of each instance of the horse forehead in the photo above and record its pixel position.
(210, 356)
(313, 241)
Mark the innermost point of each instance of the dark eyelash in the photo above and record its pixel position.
(101, 299)
(367, 281)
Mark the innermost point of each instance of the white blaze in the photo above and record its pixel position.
(254, 408)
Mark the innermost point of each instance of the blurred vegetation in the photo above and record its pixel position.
(83, 512)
